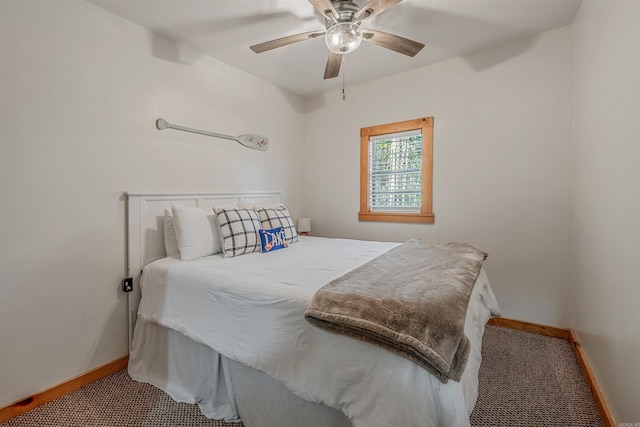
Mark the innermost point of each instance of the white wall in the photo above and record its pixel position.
(606, 197)
(80, 92)
(502, 141)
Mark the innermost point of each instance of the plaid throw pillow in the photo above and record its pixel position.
(238, 231)
(279, 217)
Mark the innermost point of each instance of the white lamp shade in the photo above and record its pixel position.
(304, 225)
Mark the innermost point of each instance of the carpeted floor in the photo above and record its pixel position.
(531, 380)
(525, 380)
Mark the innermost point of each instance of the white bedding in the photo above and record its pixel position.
(250, 309)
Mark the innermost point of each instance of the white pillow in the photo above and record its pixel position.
(196, 231)
(170, 240)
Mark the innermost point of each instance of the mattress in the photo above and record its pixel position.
(250, 308)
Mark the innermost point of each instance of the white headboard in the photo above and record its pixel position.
(145, 229)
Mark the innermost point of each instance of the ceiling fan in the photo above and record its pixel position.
(343, 19)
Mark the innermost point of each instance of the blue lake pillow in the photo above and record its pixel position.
(273, 239)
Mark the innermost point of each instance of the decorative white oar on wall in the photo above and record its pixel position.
(255, 142)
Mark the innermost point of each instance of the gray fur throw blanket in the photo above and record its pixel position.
(411, 300)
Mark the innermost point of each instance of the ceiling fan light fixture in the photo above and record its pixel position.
(343, 37)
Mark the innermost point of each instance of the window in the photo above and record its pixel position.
(396, 172)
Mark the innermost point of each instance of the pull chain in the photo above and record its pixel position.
(344, 71)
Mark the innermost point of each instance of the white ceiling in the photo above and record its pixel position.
(224, 29)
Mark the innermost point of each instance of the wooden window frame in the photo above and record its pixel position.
(425, 125)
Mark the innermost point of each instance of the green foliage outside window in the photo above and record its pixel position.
(395, 166)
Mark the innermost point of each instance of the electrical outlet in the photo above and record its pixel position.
(127, 284)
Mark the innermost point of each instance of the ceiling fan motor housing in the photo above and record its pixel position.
(346, 9)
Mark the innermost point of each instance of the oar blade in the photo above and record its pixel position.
(255, 142)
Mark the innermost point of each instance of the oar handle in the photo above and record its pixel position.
(162, 124)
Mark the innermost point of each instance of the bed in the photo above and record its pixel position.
(229, 334)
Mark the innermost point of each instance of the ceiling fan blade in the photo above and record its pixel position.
(374, 7)
(393, 42)
(284, 41)
(333, 66)
(323, 5)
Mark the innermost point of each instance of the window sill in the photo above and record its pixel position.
(426, 218)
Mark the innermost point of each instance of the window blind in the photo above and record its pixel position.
(395, 172)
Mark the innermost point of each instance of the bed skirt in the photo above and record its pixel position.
(222, 388)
